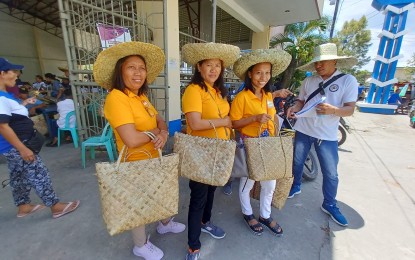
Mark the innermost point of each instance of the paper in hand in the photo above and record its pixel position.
(309, 109)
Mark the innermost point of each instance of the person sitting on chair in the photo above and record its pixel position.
(63, 107)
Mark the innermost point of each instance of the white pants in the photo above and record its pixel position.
(265, 199)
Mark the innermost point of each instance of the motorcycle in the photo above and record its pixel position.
(344, 128)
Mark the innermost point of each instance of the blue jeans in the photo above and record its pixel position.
(327, 153)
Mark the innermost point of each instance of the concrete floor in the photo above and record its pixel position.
(377, 176)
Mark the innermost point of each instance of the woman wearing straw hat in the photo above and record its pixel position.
(27, 170)
(204, 104)
(126, 69)
(252, 109)
(340, 92)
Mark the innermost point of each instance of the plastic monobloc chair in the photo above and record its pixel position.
(105, 139)
(67, 127)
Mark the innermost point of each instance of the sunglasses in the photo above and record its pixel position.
(320, 86)
(148, 109)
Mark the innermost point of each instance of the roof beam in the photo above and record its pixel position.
(234, 9)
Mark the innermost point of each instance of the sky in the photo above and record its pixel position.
(355, 9)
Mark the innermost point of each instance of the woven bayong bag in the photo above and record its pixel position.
(137, 193)
(282, 189)
(205, 160)
(269, 158)
(39, 124)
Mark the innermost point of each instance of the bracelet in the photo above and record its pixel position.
(164, 131)
(334, 113)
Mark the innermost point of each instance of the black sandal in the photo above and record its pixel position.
(253, 228)
(277, 230)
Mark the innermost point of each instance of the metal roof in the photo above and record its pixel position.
(235, 19)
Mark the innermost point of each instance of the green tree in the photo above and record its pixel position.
(361, 76)
(410, 69)
(354, 40)
(299, 40)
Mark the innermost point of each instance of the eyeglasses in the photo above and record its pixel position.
(320, 86)
(148, 109)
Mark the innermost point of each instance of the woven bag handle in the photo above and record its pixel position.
(211, 123)
(152, 137)
(219, 113)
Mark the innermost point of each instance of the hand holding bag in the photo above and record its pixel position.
(139, 192)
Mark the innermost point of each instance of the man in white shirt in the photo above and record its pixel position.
(340, 92)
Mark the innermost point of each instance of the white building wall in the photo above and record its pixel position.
(38, 51)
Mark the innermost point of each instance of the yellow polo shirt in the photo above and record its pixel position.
(195, 99)
(246, 104)
(127, 108)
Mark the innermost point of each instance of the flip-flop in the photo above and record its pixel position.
(34, 209)
(67, 209)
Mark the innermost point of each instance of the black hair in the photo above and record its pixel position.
(219, 84)
(50, 75)
(118, 81)
(248, 82)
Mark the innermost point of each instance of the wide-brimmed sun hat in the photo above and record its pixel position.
(278, 58)
(63, 69)
(194, 52)
(107, 59)
(328, 51)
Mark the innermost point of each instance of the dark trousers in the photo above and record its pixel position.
(200, 210)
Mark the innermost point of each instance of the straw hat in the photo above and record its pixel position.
(195, 52)
(63, 69)
(278, 58)
(105, 63)
(328, 51)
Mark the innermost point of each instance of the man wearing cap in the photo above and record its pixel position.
(340, 92)
(31, 105)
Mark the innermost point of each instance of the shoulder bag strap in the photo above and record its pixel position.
(220, 115)
(323, 86)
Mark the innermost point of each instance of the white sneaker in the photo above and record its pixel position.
(174, 227)
(148, 251)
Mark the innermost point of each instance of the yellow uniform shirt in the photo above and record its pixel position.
(246, 104)
(195, 99)
(121, 109)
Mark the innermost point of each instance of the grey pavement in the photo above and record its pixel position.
(376, 193)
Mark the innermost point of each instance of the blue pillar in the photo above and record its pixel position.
(389, 48)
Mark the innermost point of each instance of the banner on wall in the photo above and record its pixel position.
(111, 35)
